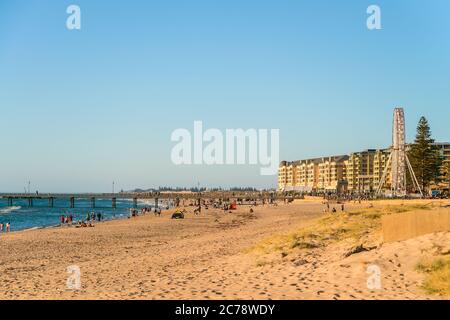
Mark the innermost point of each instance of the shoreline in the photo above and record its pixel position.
(73, 226)
(5, 217)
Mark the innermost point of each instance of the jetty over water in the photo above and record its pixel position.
(72, 199)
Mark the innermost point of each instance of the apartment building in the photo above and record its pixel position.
(380, 162)
(332, 172)
(312, 174)
(444, 148)
(360, 172)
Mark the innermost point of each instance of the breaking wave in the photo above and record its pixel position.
(9, 209)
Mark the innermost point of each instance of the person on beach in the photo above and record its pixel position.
(8, 227)
(1, 226)
(88, 217)
(61, 219)
(99, 216)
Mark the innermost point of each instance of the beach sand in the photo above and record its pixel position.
(204, 257)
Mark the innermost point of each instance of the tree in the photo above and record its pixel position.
(424, 156)
(447, 174)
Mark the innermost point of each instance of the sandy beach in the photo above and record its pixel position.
(214, 255)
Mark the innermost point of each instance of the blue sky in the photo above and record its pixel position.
(79, 109)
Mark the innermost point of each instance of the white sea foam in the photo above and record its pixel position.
(9, 209)
(146, 202)
(33, 228)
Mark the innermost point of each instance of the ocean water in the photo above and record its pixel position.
(22, 217)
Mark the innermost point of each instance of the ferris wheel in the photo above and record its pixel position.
(398, 159)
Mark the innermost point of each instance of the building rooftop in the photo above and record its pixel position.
(344, 157)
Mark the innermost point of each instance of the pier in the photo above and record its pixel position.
(66, 201)
(70, 200)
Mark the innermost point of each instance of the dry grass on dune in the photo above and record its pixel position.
(358, 227)
(336, 245)
(437, 271)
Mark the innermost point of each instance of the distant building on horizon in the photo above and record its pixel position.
(359, 172)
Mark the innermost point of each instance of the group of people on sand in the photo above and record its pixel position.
(94, 216)
(334, 210)
(90, 217)
(226, 204)
(66, 219)
(5, 227)
(146, 210)
(134, 212)
(82, 224)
